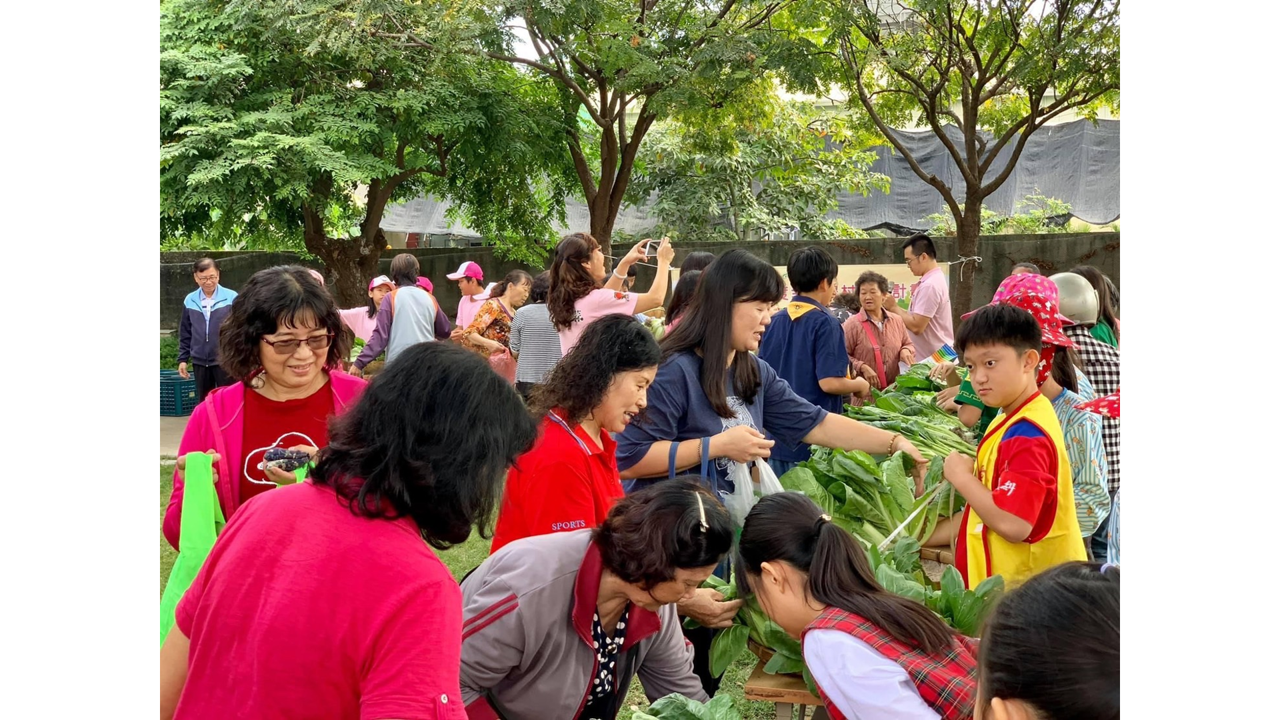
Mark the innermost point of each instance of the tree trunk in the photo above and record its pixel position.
(602, 230)
(968, 228)
(350, 262)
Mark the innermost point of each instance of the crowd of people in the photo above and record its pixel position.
(600, 456)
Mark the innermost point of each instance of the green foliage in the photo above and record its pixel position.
(1039, 215)
(169, 352)
(983, 76)
(284, 116)
(777, 167)
(678, 707)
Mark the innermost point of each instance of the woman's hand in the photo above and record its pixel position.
(634, 255)
(902, 444)
(182, 466)
(869, 373)
(741, 444)
(908, 356)
(709, 608)
(940, 371)
(286, 477)
(666, 253)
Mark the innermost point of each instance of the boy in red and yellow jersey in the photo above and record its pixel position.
(1020, 518)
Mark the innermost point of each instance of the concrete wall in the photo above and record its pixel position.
(1053, 253)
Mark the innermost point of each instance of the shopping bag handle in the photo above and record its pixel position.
(702, 469)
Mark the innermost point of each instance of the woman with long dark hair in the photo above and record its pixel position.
(713, 400)
(535, 344)
(873, 655)
(323, 599)
(569, 480)
(680, 297)
(580, 293)
(1107, 329)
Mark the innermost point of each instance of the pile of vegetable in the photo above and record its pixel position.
(678, 707)
(908, 407)
(872, 500)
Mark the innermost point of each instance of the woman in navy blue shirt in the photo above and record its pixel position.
(712, 398)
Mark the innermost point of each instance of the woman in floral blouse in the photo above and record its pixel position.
(489, 331)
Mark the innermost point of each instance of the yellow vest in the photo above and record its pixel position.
(1016, 562)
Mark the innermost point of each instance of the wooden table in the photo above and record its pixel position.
(788, 693)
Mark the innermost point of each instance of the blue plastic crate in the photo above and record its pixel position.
(177, 396)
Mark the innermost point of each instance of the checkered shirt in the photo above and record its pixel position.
(1102, 365)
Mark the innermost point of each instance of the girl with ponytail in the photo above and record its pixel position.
(873, 655)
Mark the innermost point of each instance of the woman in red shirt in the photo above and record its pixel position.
(569, 480)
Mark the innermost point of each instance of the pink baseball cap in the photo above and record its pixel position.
(380, 280)
(316, 274)
(467, 269)
(425, 283)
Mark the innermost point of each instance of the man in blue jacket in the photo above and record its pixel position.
(202, 314)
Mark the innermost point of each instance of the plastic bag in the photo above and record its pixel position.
(201, 523)
(503, 364)
(743, 497)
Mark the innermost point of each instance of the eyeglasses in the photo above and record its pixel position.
(289, 347)
(207, 278)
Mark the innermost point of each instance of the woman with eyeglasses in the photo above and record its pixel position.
(583, 291)
(284, 344)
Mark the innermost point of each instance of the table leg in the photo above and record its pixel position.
(782, 711)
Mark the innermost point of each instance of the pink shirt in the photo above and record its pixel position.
(303, 609)
(593, 306)
(929, 298)
(468, 306)
(358, 320)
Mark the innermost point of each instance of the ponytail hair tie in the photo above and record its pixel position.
(1107, 566)
(825, 517)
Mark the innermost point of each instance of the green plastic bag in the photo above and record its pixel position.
(200, 524)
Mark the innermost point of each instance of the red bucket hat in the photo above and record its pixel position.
(1039, 296)
(1108, 406)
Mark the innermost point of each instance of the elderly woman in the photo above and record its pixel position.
(284, 343)
(569, 479)
(322, 599)
(490, 330)
(556, 626)
(535, 344)
(876, 340)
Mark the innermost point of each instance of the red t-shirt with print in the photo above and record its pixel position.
(280, 423)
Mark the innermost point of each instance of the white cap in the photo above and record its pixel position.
(380, 280)
(467, 269)
(484, 295)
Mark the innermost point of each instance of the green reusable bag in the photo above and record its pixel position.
(200, 524)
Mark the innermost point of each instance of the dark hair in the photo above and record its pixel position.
(430, 438)
(280, 296)
(1054, 643)
(541, 284)
(404, 270)
(881, 282)
(849, 301)
(921, 245)
(683, 293)
(653, 532)
(1000, 325)
(515, 277)
(1065, 362)
(1028, 266)
(203, 264)
(789, 527)
(570, 279)
(612, 344)
(808, 267)
(696, 261)
(707, 324)
(631, 271)
(1106, 309)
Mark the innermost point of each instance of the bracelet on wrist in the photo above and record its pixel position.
(620, 277)
(893, 441)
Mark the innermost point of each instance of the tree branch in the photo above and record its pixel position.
(585, 176)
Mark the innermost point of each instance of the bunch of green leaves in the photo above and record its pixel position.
(678, 707)
(961, 608)
(1033, 215)
(915, 415)
(169, 352)
(778, 167)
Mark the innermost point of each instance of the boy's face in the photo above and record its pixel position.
(999, 374)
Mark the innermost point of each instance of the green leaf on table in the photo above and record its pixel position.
(809, 682)
(676, 707)
(802, 480)
(721, 708)
(952, 589)
(777, 640)
(906, 555)
(727, 646)
(899, 584)
(781, 664)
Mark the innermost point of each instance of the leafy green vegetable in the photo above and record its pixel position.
(678, 707)
(726, 647)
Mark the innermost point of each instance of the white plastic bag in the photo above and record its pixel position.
(743, 497)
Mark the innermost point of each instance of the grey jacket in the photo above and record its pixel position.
(527, 651)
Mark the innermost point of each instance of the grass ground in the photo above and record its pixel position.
(460, 560)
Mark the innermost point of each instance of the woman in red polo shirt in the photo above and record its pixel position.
(569, 480)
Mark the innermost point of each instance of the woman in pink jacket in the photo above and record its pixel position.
(284, 343)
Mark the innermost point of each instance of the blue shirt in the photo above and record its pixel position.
(679, 410)
(804, 351)
(1082, 434)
